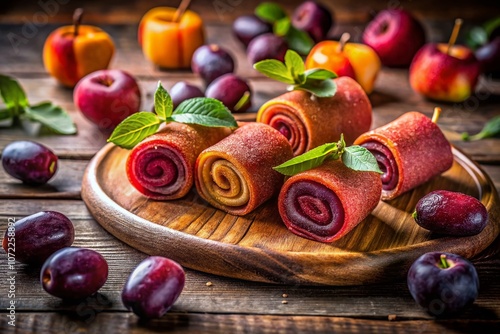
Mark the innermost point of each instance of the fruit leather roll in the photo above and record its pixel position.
(410, 151)
(326, 202)
(162, 166)
(236, 175)
(308, 123)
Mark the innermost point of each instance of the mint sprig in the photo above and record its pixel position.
(298, 40)
(355, 157)
(200, 110)
(491, 129)
(316, 81)
(17, 105)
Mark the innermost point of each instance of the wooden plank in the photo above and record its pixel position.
(93, 320)
(66, 183)
(128, 11)
(226, 295)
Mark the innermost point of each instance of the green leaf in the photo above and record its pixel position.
(295, 66)
(281, 27)
(52, 117)
(299, 41)
(5, 114)
(133, 129)
(163, 102)
(320, 74)
(320, 88)
(270, 12)
(204, 111)
(490, 129)
(491, 25)
(477, 37)
(13, 95)
(274, 69)
(360, 159)
(308, 160)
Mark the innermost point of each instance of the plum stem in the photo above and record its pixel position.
(343, 40)
(180, 10)
(444, 263)
(77, 20)
(437, 113)
(454, 35)
(242, 101)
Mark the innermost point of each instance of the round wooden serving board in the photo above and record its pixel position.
(258, 247)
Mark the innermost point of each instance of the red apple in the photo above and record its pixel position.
(107, 97)
(395, 35)
(444, 76)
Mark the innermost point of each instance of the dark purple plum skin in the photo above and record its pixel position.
(30, 162)
(40, 235)
(443, 291)
(229, 89)
(488, 56)
(247, 27)
(153, 287)
(313, 18)
(182, 91)
(74, 273)
(211, 61)
(451, 213)
(266, 46)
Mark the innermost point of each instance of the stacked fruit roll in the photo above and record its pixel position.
(410, 151)
(307, 123)
(161, 167)
(326, 202)
(236, 175)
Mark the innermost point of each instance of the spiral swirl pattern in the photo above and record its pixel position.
(386, 163)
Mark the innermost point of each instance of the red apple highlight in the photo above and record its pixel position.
(107, 97)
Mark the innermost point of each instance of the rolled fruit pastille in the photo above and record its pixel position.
(161, 167)
(308, 123)
(236, 175)
(410, 151)
(326, 202)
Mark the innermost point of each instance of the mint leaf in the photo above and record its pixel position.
(52, 117)
(270, 12)
(13, 95)
(320, 88)
(5, 114)
(490, 129)
(295, 66)
(133, 129)
(204, 111)
(281, 26)
(299, 41)
(320, 74)
(360, 159)
(274, 69)
(163, 102)
(308, 160)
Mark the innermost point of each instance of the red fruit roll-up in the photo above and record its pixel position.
(326, 202)
(236, 175)
(161, 167)
(410, 151)
(309, 122)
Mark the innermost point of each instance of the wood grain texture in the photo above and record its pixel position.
(66, 183)
(227, 296)
(96, 321)
(258, 247)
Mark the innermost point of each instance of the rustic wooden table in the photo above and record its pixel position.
(225, 305)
